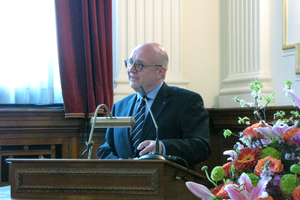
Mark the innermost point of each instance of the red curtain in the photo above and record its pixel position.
(84, 34)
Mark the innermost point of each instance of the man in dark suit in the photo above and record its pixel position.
(183, 124)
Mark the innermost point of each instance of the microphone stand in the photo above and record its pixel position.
(156, 155)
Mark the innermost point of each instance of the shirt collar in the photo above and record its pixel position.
(152, 94)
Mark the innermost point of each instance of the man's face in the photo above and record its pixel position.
(150, 76)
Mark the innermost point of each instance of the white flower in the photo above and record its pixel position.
(287, 156)
(243, 102)
(246, 141)
(239, 146)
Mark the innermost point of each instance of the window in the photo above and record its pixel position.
(29, 72)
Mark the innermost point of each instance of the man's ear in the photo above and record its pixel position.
(161, 72)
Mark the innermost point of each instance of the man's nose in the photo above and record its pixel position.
(131, 68)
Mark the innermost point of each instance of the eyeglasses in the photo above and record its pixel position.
(138, 66)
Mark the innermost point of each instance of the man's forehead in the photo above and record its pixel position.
(143, 53)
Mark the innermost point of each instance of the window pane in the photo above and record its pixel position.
(29, 72)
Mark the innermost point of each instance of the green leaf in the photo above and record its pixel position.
(269, 99)
(256, 86)
(236, 99)
(295, 113)
(279, 114)
(243, 120)
(227, 133)
(288, 83)
(285, 121)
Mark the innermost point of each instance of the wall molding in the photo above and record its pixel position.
(248, 50)
(286, 46)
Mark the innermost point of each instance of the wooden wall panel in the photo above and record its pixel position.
(33, 129)
(31, 132)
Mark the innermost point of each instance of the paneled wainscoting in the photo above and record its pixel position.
(44, 132)
(41, 132)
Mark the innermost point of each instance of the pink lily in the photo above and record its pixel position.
(246, 191)
(230, 153)
(277, 130)
(297, 100)
(266, 141)
(200, 191)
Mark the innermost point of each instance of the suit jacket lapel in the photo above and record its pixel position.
(129, 108)
(128, 112)
(158, 105)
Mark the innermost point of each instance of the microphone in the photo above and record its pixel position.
(156, 155)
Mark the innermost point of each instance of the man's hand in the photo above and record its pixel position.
(148, 146)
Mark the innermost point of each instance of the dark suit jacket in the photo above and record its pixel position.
(183, 126)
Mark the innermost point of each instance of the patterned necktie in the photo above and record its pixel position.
(139, 122)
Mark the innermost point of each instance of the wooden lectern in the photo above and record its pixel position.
(99, 179)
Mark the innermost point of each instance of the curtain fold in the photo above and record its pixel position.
(84, 34)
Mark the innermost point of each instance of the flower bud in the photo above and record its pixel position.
(204, 168)
(287, 184)
(217, 173)
(270, 151)
(295, 169)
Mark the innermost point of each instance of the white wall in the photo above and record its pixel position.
(282, 62)
(201, 48)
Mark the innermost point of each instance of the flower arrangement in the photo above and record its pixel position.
(265, 163)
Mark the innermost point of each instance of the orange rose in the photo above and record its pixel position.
(296, 193)
(226, 168)
(215, 190)
(252, 133)
(289, 134)
(223, 193)
(220, 191)
(275, 165)
(265, 198)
